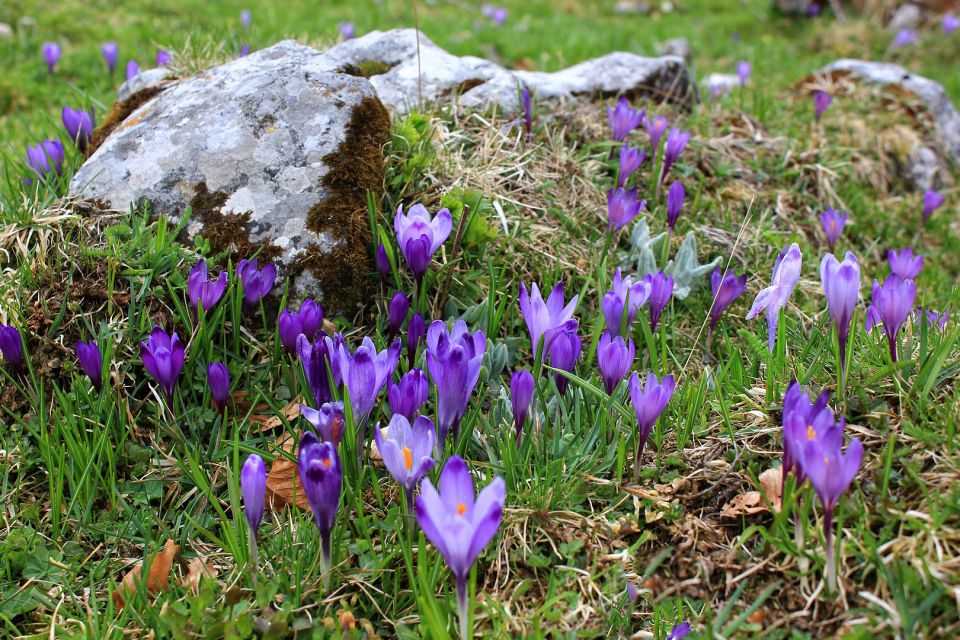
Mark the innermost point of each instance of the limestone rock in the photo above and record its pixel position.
(273, 150)
(945, 118)
(146, 79)
(679, 47)
(907, 16)
(390, 60)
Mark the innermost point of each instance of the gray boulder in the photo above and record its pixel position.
(274, 151)
(390, 60)
(677, 47)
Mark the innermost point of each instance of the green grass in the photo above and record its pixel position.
(95, 482)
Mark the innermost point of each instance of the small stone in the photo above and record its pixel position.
(6, 31)
(677, 47)
(632, 6)
(907, 16)
(718, 84)
(923, 168)
(793, 7)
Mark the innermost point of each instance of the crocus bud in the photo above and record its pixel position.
(11, 346)
(416, 330)
(46, 159)
(245, 19)
(833, 222)
(347, 30)
(51, 54)
(91, 362)
(726, 289)
(321, 477)
(614, 357)
(162, 356)
(407, 397)
(931, 202)
(133, 69)
(163, 58)
(256, 282)
(675, 197)
(383, 263)
(661, 289)
(110, 50)
(397, 312)
(821, 100)
(655, 128)
(841, 284)
(218, 377)
(521, 395)
(289, 327)
(564, 353)
(79, 125)
(743, 71)
(253, 487)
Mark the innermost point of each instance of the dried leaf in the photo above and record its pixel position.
(268, 422)
(157, 579)
(196, 571)
(746, 503)
(772, 487)
(283, 480)
(347, 621)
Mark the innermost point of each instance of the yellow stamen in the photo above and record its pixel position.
(811, 432)
(461, 508)
(408, 458)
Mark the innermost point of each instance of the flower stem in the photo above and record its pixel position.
(831, 577)
(325, 558)
(254, 554)
(463, 604)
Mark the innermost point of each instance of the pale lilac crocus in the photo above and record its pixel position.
(245, 19)
(546, 319)
(786, 275)
(459, 525)
(623, 119)
(661, 290)
(676, 142)
(253, 490)
(726, 287)
(630, 160)
(676, 195)
(904, 38)
(950, 23)
(79, 126)
(110, 51)
(133, 69)
(648, 403)
(821, 101)
(931, 202)
(614, 359)
(202, 291)
(626, 293)
(655, 127)
(892, 303)
(904, 263)
(406, 451)
(348, 31)
(622, 207)
(51, 55)
(833, 222)
(419, 236)
(841, 284)
(743, 71)
(164, 58)
(454, 358)
(416, 331)
(365, 373)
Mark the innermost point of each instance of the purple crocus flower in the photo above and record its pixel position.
(804, 421)
(904, 38)
(623, 119)
(743, 71)
(454, 358)
(245, 19)
(459, 525)
(630, 160)
(626, 293)
(526, 109)
(11, 346)
(397, 312)
(306, 321)
(931, 202)
(321, 476)
(348, 31)
(218, 377)
(676, 142)
(162, 356)
(830, 471)
(546, 319)
(51, 54)
(680, 631)
(365, 374)
(614, 358)
(564, 354)
(253, 488)
(661, 290)
(904, 263)
(383, 263)
(419, 236)
(133, 69)
(521, 395)
(675, 197)
(821, 100)
(163, 58)
(892, 303)
(622, 207)
(46, 159)
(833, 222)
(202, 291)
(244, 51)
(408, 397)
(328, 421)
(648, 402)
(933, 318)
(726, 288)
(416, 331)
(406, 451)
(786, 275)
(655, 128)
(256, 282)
(110, 51)
(841, 284)
(497, 14)
(316, 359)
(950, 23)
(88, 354)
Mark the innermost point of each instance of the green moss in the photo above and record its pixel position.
(120, 111)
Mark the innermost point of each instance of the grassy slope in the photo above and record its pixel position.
(556, 564)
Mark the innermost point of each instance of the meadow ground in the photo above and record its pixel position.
(95, 482)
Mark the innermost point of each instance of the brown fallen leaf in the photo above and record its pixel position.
(196, 571)
(283, 480)
(157, 578)
(772, 487)
(347, 621)
(268, 422)
(746, 503)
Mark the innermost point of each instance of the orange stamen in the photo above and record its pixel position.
(408, 458)
(811, 432)
(461, 508)
(326, 462)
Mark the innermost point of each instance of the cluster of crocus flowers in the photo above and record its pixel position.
(202, 291)
(256, 281)
(813, 449)
(649, 401)
(526, 110)
(407, 451)
(292, 324)
(841, 284)
(11, 346)
(454, 358)
(786, 275)
(522, 387)
(623, 302)
(833, 222)
(409, 395)
(321, 476)
(623, 119)
(459, 524)
(623, 205)
(79, 125)
(88, 355)
(253, 489)
(163, 356)
(546, 320)
(419, 236)
(45, 159)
